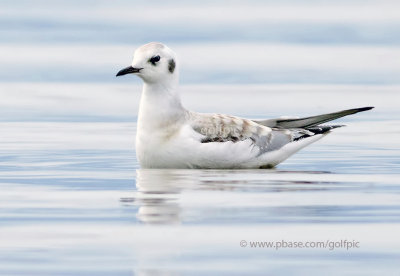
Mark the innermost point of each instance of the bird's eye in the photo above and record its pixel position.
(154, 59)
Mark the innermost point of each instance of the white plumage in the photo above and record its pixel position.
(169, 136)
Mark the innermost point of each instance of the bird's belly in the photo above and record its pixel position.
(157, 152)
(184, 153)
(184, 150)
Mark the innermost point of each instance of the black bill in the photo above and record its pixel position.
(128, 70)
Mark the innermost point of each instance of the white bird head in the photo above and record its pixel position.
(154, 63)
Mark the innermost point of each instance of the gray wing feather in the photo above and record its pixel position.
(308, 122)
(218, 128)
(272, 141)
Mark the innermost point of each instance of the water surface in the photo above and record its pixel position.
(74, 200)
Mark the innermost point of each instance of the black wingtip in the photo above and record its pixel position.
(365, 108)
(356, 110)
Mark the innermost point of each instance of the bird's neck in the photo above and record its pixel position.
(160, 105)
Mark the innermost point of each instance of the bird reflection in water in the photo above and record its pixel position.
(159, 192)
(157, 196)
(163, 196)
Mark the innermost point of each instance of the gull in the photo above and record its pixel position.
(170, 136)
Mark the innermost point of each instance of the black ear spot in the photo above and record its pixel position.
(171, 65)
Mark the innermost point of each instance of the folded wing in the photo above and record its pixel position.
(309, 122)
(218, 128)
